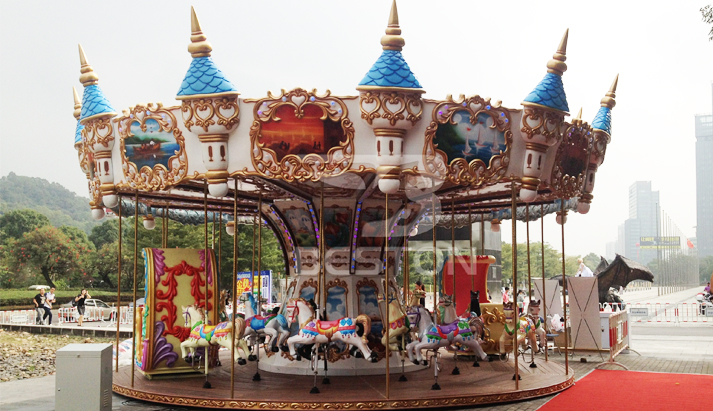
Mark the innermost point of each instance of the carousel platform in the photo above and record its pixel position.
(491, 383)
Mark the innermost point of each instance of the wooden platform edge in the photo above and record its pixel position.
(436, 402)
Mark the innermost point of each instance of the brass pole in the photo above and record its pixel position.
(564, 296)
(529, 272)
(259, 254)
(435, 300)
(513, 210)
(470, 238)
(542, 245)
(407, 280)
(322, 280)
(252, 272)
(133, 319)
(118, 291)
(234, 288)
(207, 261)
(482, 251)
(453, 248)
(165, 223)
(386, 288)
(220, 244)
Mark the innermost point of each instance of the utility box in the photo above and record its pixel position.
(83, 379)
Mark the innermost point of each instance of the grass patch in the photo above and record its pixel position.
(29, 294)
(20, 299)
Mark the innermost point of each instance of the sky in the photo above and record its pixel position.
(495, 49)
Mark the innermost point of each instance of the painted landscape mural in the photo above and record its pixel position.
(470, 141)
(151, 147)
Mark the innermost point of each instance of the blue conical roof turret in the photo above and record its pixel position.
(390, 69)
(203, 76)
(94, 104)
(550, 92)
(77, 113)
(602, 121)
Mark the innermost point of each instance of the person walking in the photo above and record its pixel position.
(79, 300)
(39, 301)
(422, 289)
(521, 301)
(506, 295)
(49, 299)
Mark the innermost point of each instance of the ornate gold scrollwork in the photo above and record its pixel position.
(496, 316)
(159, 177)
(99, 131)
(459, 171)
(576, 139)
(202, 112)
(312, 166)
(390, 105)
(540, 121)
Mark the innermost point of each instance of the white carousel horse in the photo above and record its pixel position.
(273, 325)
(525, 331)
(431, 336)
(533, 316)
(204, 335)
(351, 331)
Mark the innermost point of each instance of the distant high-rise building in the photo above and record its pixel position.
(611, 250)
(642, 222)
(704, 184)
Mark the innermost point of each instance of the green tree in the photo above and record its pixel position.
(104, 265)
(50, 253)
(16, 223)
(705, 268)
(553, 262)
(707, 14)
(105, 233)
(591, 260)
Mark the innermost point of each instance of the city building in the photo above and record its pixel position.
(642, 222)
(704, 183)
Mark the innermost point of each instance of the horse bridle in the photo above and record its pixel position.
(418, 315)
(186, 318)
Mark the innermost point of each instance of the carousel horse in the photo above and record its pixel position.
(525, 331)
(432, 337)
(398, 324)
(351, 331)
(204, 335)
(274, 325)
(533, 317)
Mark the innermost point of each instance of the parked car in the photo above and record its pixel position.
(93, 305)
(37, 287)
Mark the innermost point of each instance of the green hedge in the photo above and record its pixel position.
(23, 298)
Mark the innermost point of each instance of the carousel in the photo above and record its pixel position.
(343, 182)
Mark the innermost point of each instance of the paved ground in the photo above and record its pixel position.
(661, 347)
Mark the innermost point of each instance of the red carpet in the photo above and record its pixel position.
(613, 390)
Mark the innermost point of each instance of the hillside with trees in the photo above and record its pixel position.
(61, 206)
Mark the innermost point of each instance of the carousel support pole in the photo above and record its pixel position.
(515, 345)
(220, 244)
(435, 299)
(206, 351)
(529, 271)
(118, 292)
(470, 240)
(406, 288)
(133, 317)
(165, 228)
(564, 296)
(542, 250)
(455, 371)
(258, 216)
(234, 290)
(386, 288)
(529, 275)
(322, 281)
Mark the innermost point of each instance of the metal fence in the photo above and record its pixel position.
(18, 317)
(693, 312)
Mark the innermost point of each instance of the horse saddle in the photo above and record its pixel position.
(259, 322)
(328, 328)
(206, 332)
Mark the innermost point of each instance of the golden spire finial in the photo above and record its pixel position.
(199, 46)
(88, 76)
(577, 121)
(608, 100)
(393, 40)
(77, 104)
(557, 65)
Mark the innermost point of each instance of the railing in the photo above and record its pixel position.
(18, 317)
(618, 337)
(125, 316)
(693, 312)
